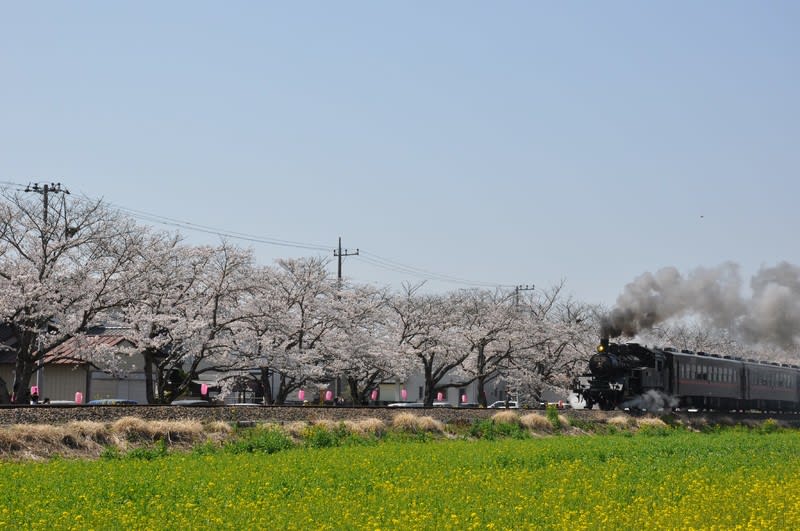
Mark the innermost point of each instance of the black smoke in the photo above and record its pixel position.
(769, 315)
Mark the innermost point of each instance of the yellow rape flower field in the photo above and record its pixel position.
(681, 480)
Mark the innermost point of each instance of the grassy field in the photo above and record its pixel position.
(659, 478)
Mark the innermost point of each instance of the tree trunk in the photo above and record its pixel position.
(266, 385)
(5, 398)
(148, 376)
(429, 384)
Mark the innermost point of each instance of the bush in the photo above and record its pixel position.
(769, 426)
(553, 416)
(159, 449)
(260, 440)
(320, 436)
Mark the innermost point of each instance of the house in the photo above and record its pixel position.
(65, 371)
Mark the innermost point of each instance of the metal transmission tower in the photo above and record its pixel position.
(519, 288)
(339, 253)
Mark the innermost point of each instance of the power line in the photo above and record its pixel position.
(392, 265)
(145, 216)
(366, 257)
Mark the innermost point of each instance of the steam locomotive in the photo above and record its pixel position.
(638, 377)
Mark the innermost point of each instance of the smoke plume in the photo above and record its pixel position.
(771, 315)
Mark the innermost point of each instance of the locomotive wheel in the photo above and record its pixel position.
(606, 405)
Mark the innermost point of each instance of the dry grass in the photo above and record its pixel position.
(296, 428)
(366, 426)
(373, 426)
(621, 421)
(536, 422)
(651, 422)
(329, 425)
(218, 426)
(405, 422)
(430, 424)
(132, 429)
(413, 423)
(506, 417)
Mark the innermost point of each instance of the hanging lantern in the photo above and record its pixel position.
(78, 397)
(403, 394)
(464, 398)
(374, 395)
(203, 389)
(439, 396)
(329, 395)
(301, 395)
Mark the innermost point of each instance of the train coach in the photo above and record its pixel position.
(639, 377)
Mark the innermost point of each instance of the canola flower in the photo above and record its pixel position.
(732, 480)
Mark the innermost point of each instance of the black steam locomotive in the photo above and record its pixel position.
(637, 377)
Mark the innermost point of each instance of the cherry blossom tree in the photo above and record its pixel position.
(488, 321)
(62, 264)
(187, 314)
(554, 338)
(425, 329)
(288, 319)
(359, 347)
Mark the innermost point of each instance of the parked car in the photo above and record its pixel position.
(502, 404)
(192, 402)
(420, 404)
(112, 402)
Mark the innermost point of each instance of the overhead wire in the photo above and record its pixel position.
(364, 256)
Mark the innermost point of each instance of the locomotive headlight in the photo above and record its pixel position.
(601, 348)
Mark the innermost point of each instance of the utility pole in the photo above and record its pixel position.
(517, 290)
(339, 253)
(45, 190)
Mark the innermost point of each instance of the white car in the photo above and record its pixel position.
(501, 404)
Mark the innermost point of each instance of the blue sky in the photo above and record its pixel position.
(497, 142)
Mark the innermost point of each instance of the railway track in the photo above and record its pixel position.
(59, 414)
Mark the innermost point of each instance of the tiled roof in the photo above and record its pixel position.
(69, 352)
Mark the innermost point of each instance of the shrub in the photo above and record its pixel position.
(319, 436)
(652, 426)
(159, 449)
(553, 416)
(267, 440)
(769, 426)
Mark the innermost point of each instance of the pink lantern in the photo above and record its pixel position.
(301, 394)
(439, 396)
(78, 397)
(35, 390)
(403, 394)
(329, 395)
(464, 398)
(203, 389)
(374, 394)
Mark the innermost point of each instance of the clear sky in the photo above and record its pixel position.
(497, 142)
